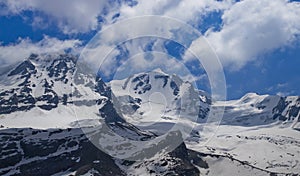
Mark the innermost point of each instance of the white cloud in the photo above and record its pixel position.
(284, 94)
(97, 59)
(80, 16)
(70, 16)
(24, 47)
(252, 28)
(141, 63)
(132, 52)
(186, 10)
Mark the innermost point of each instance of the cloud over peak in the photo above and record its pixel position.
(24, 47)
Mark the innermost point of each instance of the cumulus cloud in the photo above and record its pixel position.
(143, 62)
(252, 28)
(24, 47)
(187, 10)
(249, 28)
(70, 16)
(79, 16)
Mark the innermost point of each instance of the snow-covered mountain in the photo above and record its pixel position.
(156, 96)
(40, 84)
(50, 105)
(255, 129)
(36, 90)
(254, 110)
(261, 130)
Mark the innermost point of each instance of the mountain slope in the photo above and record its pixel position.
(61, 93)
(157, 96)
(158, 99)
(55, 110)
(47, 87)
(68, 152)
(253, 110)
(257, 129)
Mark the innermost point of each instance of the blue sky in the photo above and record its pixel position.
(258, 44)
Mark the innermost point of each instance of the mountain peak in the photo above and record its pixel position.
(45, 58)
(159, 70)
(155, 95)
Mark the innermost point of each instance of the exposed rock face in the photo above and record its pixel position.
(253, 110)
(47, 152)
(36, 82)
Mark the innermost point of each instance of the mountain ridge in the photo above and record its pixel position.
(59, 94)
